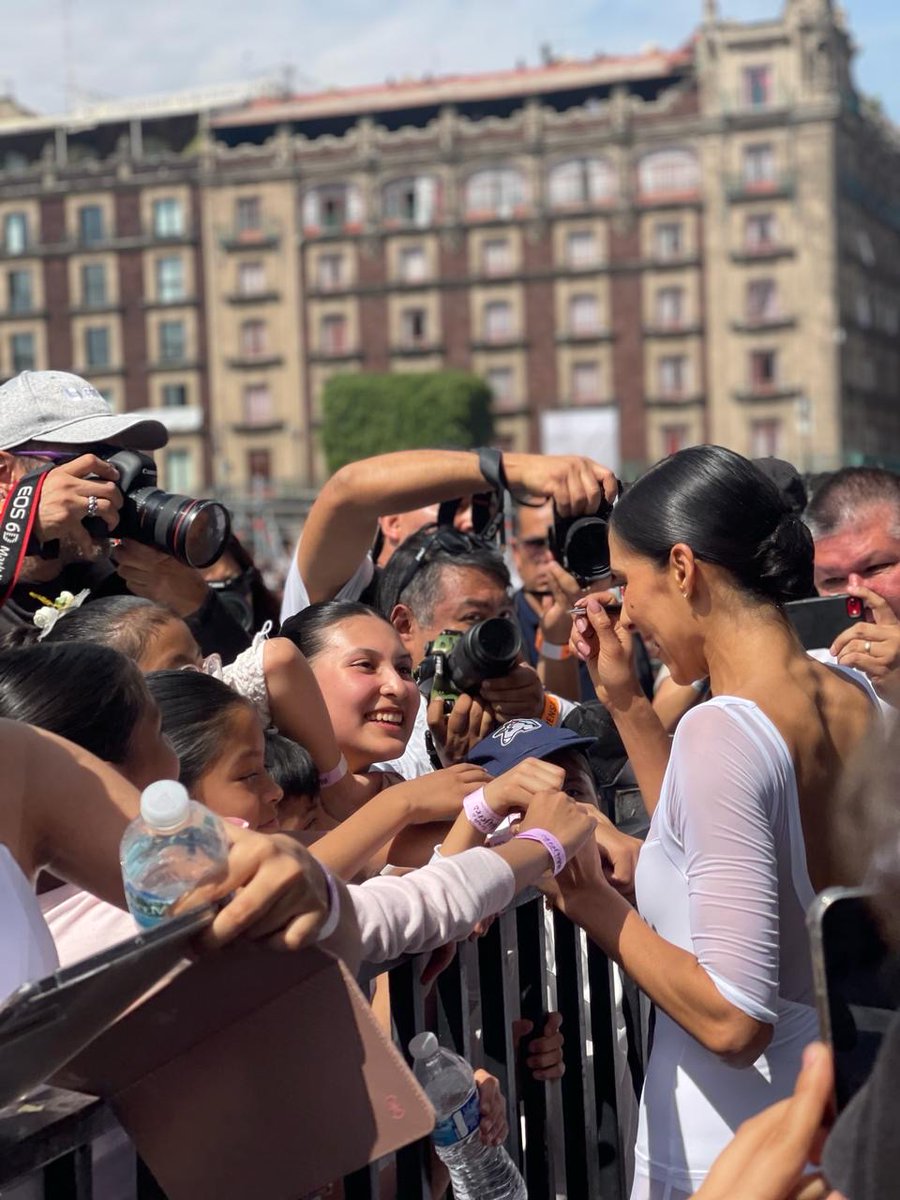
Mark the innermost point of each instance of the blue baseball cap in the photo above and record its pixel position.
(521, 738)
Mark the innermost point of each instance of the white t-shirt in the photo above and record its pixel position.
(723, 875)
(27, 952)
(296, 597)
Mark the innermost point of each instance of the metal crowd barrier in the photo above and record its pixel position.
(565, 1135)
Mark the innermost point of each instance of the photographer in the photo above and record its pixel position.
(854, 518)
(335, 557)
(438, 580)
(58, 423)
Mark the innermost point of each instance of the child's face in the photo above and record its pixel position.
(237, 784)
(579, 782)
(172, 648)
(297, 812)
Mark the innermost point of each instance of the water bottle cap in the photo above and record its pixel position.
(423, 1045)
(165, 804)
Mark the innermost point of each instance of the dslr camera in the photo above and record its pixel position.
(581, 544)
(193, 531)
(457, 662)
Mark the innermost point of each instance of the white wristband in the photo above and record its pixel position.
(552, 651)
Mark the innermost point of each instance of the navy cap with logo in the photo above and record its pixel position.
(524, 737)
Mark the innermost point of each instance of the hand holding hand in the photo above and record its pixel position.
(570, 823)
(439, 795)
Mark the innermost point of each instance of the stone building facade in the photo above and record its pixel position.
(704, 241)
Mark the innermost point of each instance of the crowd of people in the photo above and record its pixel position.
(379, 808)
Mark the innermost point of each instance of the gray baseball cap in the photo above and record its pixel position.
(55, 406)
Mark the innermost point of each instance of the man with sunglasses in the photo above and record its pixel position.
(399, 493)
(58, 423)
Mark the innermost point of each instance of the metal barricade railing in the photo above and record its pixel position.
(564, 1135)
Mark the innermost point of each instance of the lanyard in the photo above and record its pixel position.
(16, 524)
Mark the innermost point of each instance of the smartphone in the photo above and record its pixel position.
(855, 976)
(818, 621)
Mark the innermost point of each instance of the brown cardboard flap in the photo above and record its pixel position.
(254, 1074)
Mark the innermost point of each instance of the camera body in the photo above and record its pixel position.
(195, 532)
(581, 544)
(458, 661)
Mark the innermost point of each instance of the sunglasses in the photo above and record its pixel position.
(450, 541)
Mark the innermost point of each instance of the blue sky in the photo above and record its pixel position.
(122, 47)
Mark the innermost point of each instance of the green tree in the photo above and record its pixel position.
(374, 414)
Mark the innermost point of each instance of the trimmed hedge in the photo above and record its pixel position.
(366, 414)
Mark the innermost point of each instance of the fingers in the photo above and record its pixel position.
(493, 1127)
(882, 612)
(89, 464)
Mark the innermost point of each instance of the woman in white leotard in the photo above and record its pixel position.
(707, 554)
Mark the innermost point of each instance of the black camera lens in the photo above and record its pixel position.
(488, 650)
(193, 531)
(586, 549)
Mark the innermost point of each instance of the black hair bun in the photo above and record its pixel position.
(784, 561)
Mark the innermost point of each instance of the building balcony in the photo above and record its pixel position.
(764, 324)
(98, 309)
(766, 252)
(779, 186)
(29, 247)
(418, 348)
(584, 337)
(264, 297)
(676, 198)
(672, 329)
(335, 354)
(274, 425)
(185, 301)
(266, 237)
(739, 104)
(96, 370)
(254, 362)
(174, 364)
(335, 227)
(187, 234)
(680, 399)
(760, 392)
(20, 313)
(506, 341)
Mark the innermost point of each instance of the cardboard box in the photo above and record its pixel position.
(254, 1075)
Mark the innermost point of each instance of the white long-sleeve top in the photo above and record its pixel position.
(436, 904)
(397, 914)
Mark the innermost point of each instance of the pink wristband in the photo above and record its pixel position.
(481, 816)
(335, 775)
(552, 845)
(334, 908)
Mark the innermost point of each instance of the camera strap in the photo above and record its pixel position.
(16, 525)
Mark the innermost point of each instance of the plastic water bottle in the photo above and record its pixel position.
(477, 1171)
(171, 848)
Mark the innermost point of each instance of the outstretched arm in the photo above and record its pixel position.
(341, 523)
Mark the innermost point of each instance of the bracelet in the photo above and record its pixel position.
(334, 907)
(335, 775)
(551, 710)
(551, 650)
(480, 814)
(552, 845)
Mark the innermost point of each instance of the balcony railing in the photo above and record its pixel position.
(762, 252)
(779, 185)
(672, 329)
(760, 391)
(763, 323)
(595, 333)
(264, 296)
(255, 362)
(265, 236)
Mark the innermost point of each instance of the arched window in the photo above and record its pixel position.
(668, 172)
(332, 207)
(411, 201)
(581, 181)
(496, 192)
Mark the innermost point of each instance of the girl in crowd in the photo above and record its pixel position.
(707, 552)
